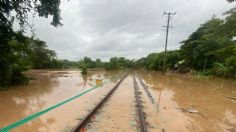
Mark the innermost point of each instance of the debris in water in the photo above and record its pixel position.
(189, 110)
(192, 111)
(233, 98)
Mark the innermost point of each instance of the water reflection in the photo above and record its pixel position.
(85, 78)
(17, 102)
(207, 95)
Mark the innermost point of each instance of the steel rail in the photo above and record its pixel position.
(146, 89)
(140, 113)
(88, 117)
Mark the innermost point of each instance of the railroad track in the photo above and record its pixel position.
(146, 89)
(140, 113)
(82, 125)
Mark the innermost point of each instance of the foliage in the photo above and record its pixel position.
(66, 64)
(211, 47)
(118, 63)
(201, 45)
(89, 63)
(41, 57)
(140, 63)
(22, 9)
(84, 71)
(13, 60)
(14, 46)
(154, 61)
(231, 66)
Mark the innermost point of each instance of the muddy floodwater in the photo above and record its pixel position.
(49, 88)
(181, 102)
(187, 103)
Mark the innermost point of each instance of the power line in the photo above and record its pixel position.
(169, 16)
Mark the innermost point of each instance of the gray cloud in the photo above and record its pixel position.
(130, 28)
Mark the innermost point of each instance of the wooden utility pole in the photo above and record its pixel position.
(169, 15)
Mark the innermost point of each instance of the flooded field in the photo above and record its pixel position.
(47, 89)
(181, 102)
(187, 103)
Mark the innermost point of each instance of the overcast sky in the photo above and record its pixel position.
(129, 28)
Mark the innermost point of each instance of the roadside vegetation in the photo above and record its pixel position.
(210, 50)
(16, 49)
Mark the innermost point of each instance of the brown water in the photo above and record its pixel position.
(49, 88)
(207, 96)
(172, 93)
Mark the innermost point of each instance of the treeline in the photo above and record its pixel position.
(210, 50)
(29, 53)
(113, 64)
(86, 62)
(118, 63)
(25, 53)
(17, 52)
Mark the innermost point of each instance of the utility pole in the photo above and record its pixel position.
(169, 15)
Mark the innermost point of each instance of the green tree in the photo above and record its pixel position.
(211, 47)
(118, 63)
(41, 56)
(114, 63)
(141, 63)
(88, 62)
(98, 63)
(21, 9)
(200, 44)
(154, 61)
